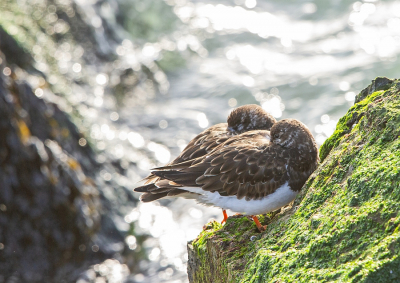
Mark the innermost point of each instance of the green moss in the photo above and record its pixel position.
(233, 246)
(346, 123)
(346, 226)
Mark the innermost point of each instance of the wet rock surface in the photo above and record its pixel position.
(343, 227)
(57, 223)
(49, 202)
(63, 194)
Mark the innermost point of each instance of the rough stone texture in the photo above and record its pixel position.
(61, 220)
(48, 205)
(344, 226)
(55, 219)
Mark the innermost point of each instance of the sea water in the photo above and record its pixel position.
(297, 59)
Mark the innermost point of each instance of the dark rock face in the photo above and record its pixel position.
(48, 203)
(380, 83)
(60, 217)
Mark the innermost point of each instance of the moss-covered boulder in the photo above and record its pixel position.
(343, 227)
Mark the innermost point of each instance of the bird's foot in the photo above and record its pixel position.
(260, 227)
(225, 216)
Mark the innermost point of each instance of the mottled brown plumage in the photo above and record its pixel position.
(251, 165)
(251, 172)
(240, 120)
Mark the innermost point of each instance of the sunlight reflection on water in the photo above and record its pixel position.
(302, 61)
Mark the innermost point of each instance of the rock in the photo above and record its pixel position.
(49, 206)
(345, 224)
(62, 206)
(56, 222)
(380, 83)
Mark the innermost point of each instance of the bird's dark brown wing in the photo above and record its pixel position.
(200, 145)
(252, 170)
(204, 142)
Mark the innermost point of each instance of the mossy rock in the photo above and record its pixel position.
(345, 224)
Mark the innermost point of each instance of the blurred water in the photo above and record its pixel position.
(298, 59)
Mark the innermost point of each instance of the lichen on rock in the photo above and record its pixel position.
(345, 224)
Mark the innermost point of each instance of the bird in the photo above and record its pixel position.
(253, 171)
(242, 119)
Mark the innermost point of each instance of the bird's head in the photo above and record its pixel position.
(291, 133)
(249, 117)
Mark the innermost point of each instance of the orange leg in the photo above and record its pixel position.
(259, 226)
(225, 216)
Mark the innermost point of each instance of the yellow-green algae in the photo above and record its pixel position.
(344, 226)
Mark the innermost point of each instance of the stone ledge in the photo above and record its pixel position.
(345, 224)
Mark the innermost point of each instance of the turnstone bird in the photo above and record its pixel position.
(253, 172)
(242, 119)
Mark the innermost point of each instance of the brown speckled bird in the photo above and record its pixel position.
(248, 170)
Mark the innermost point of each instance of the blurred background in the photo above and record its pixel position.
(139, 79)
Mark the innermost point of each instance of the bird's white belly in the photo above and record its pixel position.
(282, 196)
